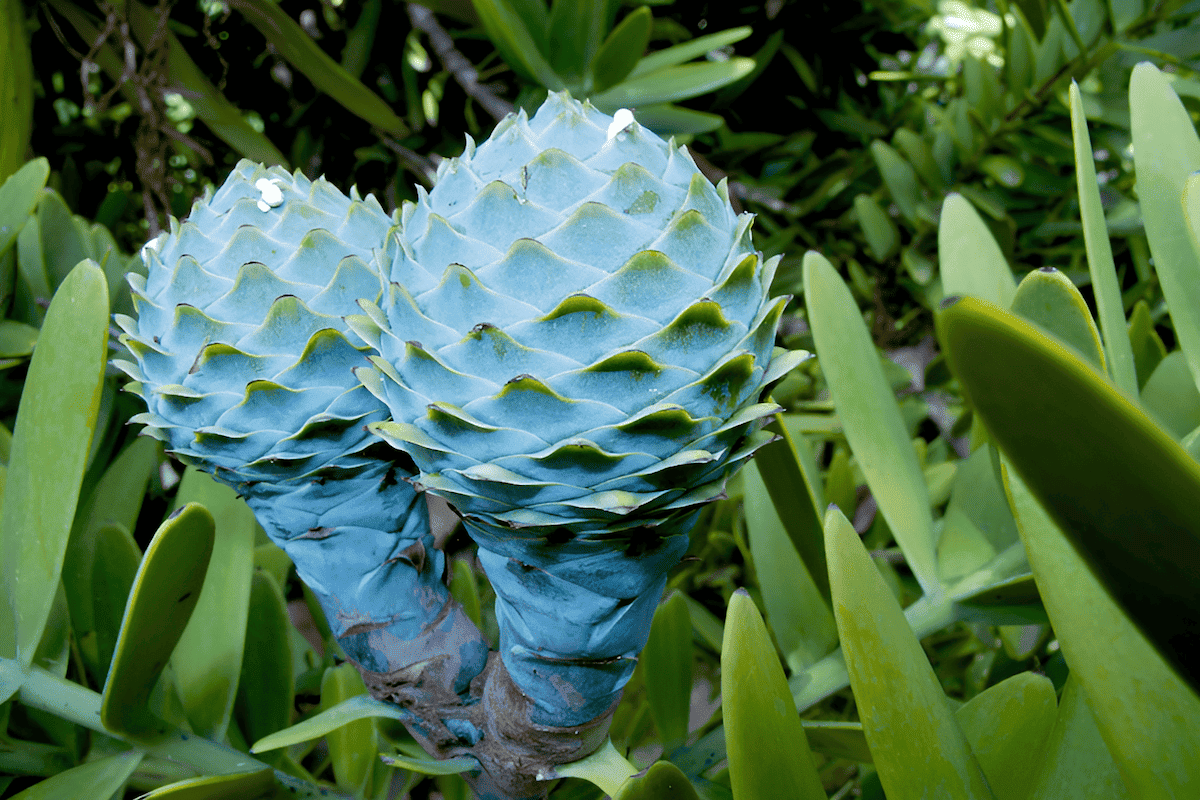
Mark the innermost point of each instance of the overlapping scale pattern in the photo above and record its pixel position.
(245, 362)
(574, 347)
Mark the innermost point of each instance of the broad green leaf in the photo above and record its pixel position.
(54, 650)
(798, 614)
(303, 53)
(918, 152)
(574, 31)
(1148, 347)
(1145, 713)
(899, 177)
(16, 339)
(51, 440)
(686, 51)
(19, 195)
(870, 416)
(33, 285)
(915, 742)
(1008, 726)
(11, 678)
(265, 689)
(619, 53)
(1109, 306)
(354, 746)
(516, 43)
(1170, 396)
(882, 236)
(211, 107)
(662, 781)
(768, 753)
(790, 473)
(243, 786)
(1191, 211)
(431, 766)
(164, 595)
(1097, 462)
(667, 119)
(1166, 151)
(111, 580)
(606, 768)
(348, 711)
(667, 663)
(970, 260)
(838, 739)
(115, 499)
(1077, 764)
(977, 525)
(16, 87)
(1048, 299)
(95, 779)
(208, 658)
(56, 224)
(670, 84)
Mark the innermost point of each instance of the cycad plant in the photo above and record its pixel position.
(571, 338)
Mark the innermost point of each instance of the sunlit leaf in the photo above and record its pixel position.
(1008, 726)
(971, 261)
(670, 84)
(1076, 764)
(667, 663)
(243, 786)
(100, 778)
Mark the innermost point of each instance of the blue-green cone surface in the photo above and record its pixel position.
(574, 348)
(245, 362)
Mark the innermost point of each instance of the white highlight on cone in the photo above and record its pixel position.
(621, 121)
(272, 195)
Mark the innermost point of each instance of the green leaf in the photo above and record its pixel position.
(870, 416)
(516, 43)
(882, 236)
(111, 580)
(1148, 348)
(16, 339)
(662, 781)
(622, 49)
(19, 195)
(1077, 764)
(1166, 152)
(899, 177)
(1008, 726)
(574, 31)
(11, 678)
(970, 260)
(914, 739)
(356, 708)
(243, 786)
(686, 51)
(1170, 396)
(54, 650)
(1145, 713)
(56, 224)
(265, 689)
(790, 473)
(1048, 299)
(16, 87)
(353, 746)
(977, 525)
(671, 84)
(768, 752)
(303, 53)
(94, 779)
(1109, 306)
(431, 766)
(667, 119)
(464, 587)
(667, 662)
(208, 658)
(838, 738)
(53, 434)
(1097, 462)
(164, 595)
(798, 614)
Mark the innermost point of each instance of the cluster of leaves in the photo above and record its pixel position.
(927, 165)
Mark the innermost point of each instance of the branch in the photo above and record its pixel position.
(456, 63)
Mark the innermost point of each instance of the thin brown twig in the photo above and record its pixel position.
(456, 63)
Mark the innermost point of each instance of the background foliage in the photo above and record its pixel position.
(934, 155)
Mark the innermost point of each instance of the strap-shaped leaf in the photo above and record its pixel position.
(164, 595)
(208, 658)
(1048, 299)
(266, 690)
(574, 31)
(797, 612)
(1008, 725)
(915, 742)
(619, 53)
(430, 766)
(53, 435)
(99, 778)
(870, 416)
(768, 752)
(686, 51)
(971, 261)
(356, 708)
(1109, 305)
(303, 53)
(671, 84)
(1166, 153)
(516, 42)
(244, 786)
(1145, 713)
(1100, 466)
(667, 668)
(18, 197)
(1077, 764)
